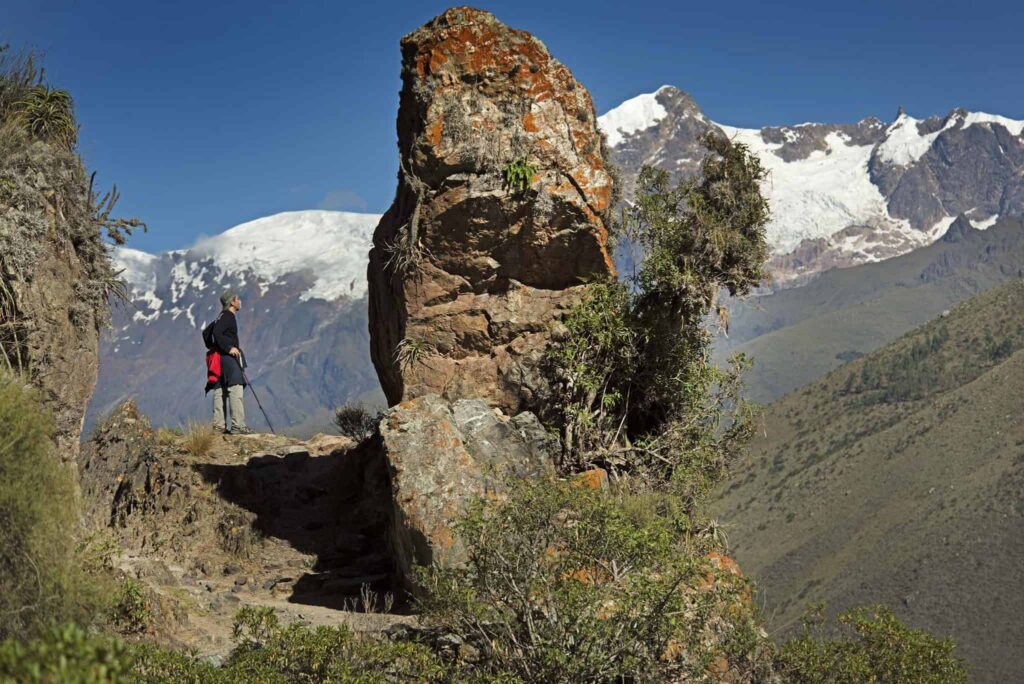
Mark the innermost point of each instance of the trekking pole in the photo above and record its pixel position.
(257, 397)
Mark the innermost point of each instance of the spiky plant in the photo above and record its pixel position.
(48, 114)
(410, 350)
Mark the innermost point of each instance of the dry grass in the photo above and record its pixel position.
(166, 436)
(199, 438)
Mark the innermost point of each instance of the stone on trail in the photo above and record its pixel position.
(442, 455)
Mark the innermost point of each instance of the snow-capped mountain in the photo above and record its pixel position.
(302, 279)
(842, 194)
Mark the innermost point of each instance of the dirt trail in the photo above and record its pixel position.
(257, 520)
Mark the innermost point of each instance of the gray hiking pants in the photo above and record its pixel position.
(228, 400)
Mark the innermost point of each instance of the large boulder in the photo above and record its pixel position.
(469, 273)
(441, 455)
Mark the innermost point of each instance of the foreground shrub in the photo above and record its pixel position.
(68, 655)
(42, 579)
(881, 649)
(265, 652)
(565, 584)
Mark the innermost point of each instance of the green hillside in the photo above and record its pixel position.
(899, 478)
(797, 335)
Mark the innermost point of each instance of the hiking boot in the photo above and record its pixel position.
(226, 432)
(243, 431)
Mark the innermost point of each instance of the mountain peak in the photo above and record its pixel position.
(331, 246)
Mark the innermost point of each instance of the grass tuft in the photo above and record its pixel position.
(199, 438)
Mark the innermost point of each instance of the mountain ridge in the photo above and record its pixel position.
(842, 194)
(913, 454)
(797, 334)
(301, 276)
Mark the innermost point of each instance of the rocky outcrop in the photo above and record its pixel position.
(258, 520)
(47, 328)
(468, 270)
(442, 455)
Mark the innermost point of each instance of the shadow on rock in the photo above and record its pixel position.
(333, 507)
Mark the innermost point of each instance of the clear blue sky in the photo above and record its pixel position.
(207, 114)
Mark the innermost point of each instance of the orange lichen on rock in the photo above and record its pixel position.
(726, 569)
(595, 478)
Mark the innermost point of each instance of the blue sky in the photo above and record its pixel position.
(208, 114)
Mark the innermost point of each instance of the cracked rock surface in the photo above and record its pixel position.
(468, 275)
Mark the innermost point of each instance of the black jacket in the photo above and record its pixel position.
(225, 336)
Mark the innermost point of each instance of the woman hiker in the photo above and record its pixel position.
(227, 392)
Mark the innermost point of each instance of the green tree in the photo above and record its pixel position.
(875, 647)
(634, 386)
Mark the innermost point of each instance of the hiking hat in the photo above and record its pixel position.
(227, 298)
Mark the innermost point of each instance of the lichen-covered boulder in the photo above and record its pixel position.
(500, 214)
(440, 456)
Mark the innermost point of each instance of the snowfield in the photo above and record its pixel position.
(829, 190)
(331, 246)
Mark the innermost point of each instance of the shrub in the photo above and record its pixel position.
(519, 175)
(355, 421)
(265, 651)
(634, 389)
(569, 584)
(66, 654)
(881, 649)
(265, 648)
(199, 438)
(48, 114)
(132, 613)
(43, 578)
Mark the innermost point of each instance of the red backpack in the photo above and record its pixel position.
(212, 357)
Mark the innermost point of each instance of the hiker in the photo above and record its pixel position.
(229, 384)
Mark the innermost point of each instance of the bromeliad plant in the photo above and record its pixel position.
(47, 114)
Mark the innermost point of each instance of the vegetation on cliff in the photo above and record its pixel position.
(45, 572)
(46, 195)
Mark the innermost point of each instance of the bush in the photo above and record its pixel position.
(569, 584)
(44, 580)
(67, 654)
(265, 651)
(355, 421)
(132, 613)
(881, 649)
(634, 389)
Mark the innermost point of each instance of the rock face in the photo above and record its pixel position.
(46, 327)
(443, 454)
(255, 520)
(467, 272)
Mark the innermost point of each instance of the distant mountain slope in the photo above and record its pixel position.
(842, 194)
(797, 334)
(302, 279)
(899, 478)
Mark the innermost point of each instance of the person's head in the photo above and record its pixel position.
(230, 300)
